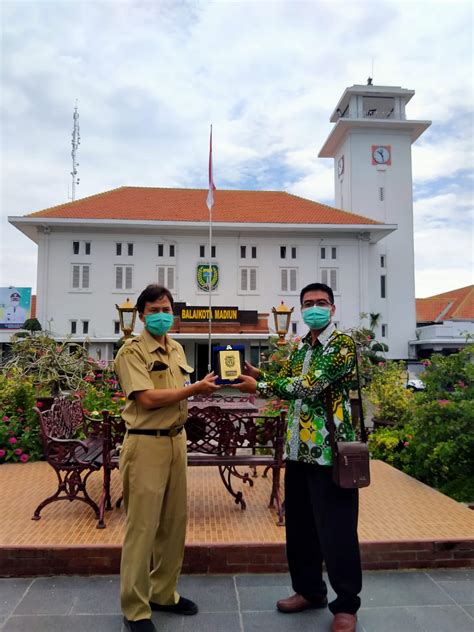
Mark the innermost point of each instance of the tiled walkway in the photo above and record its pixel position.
(437, 601)
(394, 508)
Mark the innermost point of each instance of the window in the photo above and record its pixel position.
(254, 252)
(382, 261)
(329, 277)
(323, 253)
(383, 286)
(288, 280)
(130, 250)
(202, 252)
(73, 326)
(294, 328)
(333, 253)
(171, 250)
(166, 276)
(80, 277)
(77, 248)
(243, 252)
(248, 279)
(293, 252)
(384, 330)
(161, 250)
(282, 252)
(123, 277)
(116, 326)
(381, 194)
(85, 326)
(118, 249)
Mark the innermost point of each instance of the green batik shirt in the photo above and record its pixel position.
(302, 381)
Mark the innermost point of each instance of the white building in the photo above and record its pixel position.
(97, 251)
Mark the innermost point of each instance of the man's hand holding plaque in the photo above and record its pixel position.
(228, 363)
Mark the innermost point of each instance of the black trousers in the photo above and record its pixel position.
(321, 524)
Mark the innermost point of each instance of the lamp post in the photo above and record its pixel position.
(127, 315)
(282, 316)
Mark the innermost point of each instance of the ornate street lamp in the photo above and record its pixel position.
(127, 314)
(282, 316)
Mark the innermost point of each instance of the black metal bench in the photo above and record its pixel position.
(230, 440)
(73, 446)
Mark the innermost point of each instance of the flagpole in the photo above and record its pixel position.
(210, 203)
(209, 360)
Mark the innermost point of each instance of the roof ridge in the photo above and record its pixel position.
(88, 197)
(463, 299)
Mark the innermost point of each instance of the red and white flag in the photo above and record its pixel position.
(212, 188)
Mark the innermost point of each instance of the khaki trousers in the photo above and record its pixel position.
(153, 472)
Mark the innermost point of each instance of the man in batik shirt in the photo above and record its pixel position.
(321, 518)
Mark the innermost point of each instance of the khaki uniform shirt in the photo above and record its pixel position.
(143, 364)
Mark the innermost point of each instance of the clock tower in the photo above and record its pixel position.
(371, 147)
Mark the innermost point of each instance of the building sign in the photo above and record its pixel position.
(201, 314)
(15, 306)
(202, 276)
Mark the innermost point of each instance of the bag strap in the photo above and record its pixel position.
(330, 415)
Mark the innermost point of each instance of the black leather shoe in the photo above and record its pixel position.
(184, 606)
(142, 625)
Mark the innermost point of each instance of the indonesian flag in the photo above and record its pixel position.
(212, 188)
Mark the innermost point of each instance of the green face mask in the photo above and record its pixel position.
(317, 317)
(158, 324)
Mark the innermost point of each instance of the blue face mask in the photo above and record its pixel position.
(317, 317)
(158, 324)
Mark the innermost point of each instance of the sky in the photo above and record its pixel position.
(150, 77)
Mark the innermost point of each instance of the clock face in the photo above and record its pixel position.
(381, 155)
(340, 166)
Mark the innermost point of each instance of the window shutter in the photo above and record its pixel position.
(171, 250)
(333, 253)
(324, 277)
(333, 284)
(130, 250)
(128, 278)
(85, 277)
(161, 276)
(292, 280)
(254, 252)
(75, 247)
(118, 277)
(76, 271)
(118, 249)
(170, 279)
(243, 279)
(243, 252)
(253, 279)
(284, 280)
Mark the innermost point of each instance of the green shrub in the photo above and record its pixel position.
(436, 445)
(386, 391)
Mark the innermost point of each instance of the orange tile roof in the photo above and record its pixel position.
(189, 205)
(457, 304)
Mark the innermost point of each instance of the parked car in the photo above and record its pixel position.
(415, 384)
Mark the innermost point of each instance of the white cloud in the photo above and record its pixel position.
(151, 76)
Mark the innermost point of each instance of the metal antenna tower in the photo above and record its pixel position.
(76, 141)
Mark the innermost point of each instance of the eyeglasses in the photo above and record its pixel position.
(319, 303)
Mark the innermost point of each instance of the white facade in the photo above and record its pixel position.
(371, 147)
(81, 275)
(77, 271)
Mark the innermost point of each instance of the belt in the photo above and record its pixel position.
(166, 432)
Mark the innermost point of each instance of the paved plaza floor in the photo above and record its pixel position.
(392, 601)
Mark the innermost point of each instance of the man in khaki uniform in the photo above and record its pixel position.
(153, 372)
